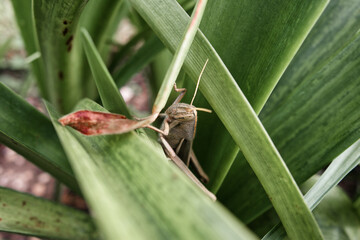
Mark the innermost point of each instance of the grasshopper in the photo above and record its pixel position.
(178, 130)
(177, 133)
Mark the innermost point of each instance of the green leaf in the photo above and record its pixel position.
(337, 170)
(256, 41)
(179, 57)
(158, 69)
(25, 214)
(30, 133)
(109, 93)
(24, 17)
(167, 19)
(336, 216)
(56, 23)
(312, 118)
(143, 195)
(139, 60)
(100, 19)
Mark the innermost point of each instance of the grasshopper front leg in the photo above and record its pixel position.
(182, 92)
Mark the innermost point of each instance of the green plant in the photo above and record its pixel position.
(296, 62)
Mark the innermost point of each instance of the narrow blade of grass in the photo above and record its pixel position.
(179, 57)
(335, 214)
(109, 93)
(337, 170)
(100, 19)
(139, 60)
(24, 17)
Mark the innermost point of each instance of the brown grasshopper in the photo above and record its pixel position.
(177, 134)
(179, 128)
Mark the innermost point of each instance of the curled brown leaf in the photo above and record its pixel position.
(102, 123)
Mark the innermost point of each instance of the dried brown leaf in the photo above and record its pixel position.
(102, 123)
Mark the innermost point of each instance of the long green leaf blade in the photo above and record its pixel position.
(311, 118)
(256, 41)
(237, 115)
(246, 34)
(337, 170)
(27, 131)
(25, 20)
(109, 93)
(127, 49)
(261, 38)
(335, 214)
(139, 60)
(25, 214)
(56, 22)
(143, 195)
(100, 19)
(179, 57)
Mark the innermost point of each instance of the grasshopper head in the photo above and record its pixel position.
(181, 112)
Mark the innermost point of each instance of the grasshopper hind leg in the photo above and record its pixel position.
(179, 163)
(186, 153)
(203, 176)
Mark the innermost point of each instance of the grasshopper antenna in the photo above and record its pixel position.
(197, 85)
(203, 110)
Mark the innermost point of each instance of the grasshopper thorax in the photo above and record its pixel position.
(181, 112)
